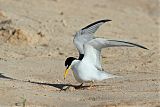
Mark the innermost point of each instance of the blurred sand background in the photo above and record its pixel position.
(36, 37)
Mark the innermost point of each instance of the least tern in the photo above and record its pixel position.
(87, 68)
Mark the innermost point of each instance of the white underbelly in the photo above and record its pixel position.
(84, 73)
(77, 77)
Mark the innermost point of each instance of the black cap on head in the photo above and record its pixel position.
(69, 61)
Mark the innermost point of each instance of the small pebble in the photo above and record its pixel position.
(68, 88)
(61, 13)
(65, 87)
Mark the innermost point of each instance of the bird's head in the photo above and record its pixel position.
(68, 64)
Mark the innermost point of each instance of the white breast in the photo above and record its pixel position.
(84, 71)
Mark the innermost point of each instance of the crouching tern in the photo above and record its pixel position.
(87, 68)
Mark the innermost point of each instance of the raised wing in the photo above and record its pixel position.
(92, 28)
(100, 43)
(86, 34)
(93, 49)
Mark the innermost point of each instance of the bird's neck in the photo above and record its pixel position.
(75, 62)
(81, 56)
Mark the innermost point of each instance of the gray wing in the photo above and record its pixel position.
(93, 49)
(100, 43)
(86, 34)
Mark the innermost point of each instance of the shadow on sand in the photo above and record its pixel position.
(62, 86)
(57, 85)
(5, 77)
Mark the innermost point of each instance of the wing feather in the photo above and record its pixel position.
(93, 49)
(92, 28)
(86, 34)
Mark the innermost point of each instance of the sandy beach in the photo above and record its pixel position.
(36, 36)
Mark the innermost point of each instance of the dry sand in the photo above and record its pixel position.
(36, 37)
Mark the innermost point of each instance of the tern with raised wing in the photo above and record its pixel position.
(87, 68)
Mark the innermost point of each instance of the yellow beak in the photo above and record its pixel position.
(66, 72)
